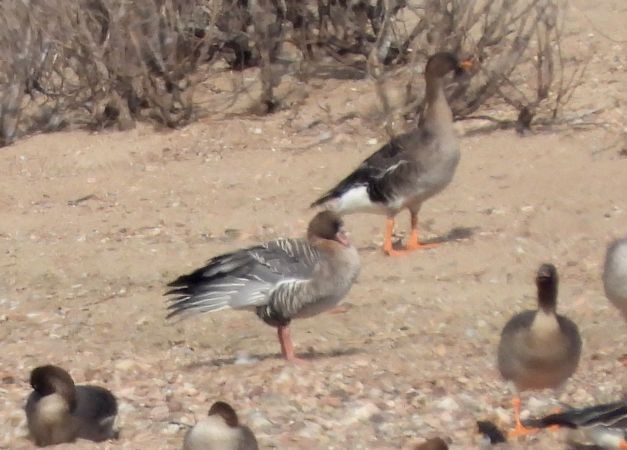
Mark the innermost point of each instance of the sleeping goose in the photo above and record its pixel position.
(615, 275)
(220, 430)
(411, 167)
(604, 425)
(280, 280)
(58, 411)
(436, 443)
(538, 348)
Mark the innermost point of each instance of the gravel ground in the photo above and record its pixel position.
(94, 225)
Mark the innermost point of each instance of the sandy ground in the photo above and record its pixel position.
(94, 225)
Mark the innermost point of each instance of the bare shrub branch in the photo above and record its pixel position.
(111, 63)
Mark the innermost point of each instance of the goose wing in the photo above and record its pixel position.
(385, 172)
(608, 415)
(246, 278)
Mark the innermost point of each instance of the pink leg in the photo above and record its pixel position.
(287, 348)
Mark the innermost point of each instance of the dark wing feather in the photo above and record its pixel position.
(243, 278)
(376, 170)
(606, 415)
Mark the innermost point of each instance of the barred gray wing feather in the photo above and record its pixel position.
(244, 279)
(609, 415)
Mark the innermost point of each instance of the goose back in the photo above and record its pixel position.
(615, 275)
(280, 280)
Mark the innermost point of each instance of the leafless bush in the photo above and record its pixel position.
(99, 63)
(517, 44)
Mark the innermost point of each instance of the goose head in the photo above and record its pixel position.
(442, 63)
(546, 282)
(329, 226)
(433, 444)
(49, 379)
(226, 412)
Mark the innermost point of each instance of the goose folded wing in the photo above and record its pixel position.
(244, 279)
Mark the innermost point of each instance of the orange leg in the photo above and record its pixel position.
(519, 429)
(287, 348)
(622, 444)
(413, 243)
(387, 238)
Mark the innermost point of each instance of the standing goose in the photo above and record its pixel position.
(220, 430)
(539, 348)
(411, 167)
(58, 411)
(615, 275)
(604, 425)
(280, 280)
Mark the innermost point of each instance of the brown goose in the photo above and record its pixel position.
(436, 443)
(538, 348)
(615, 275)
(409, 169)
(280, 280)
(220, 430)
(58, 411)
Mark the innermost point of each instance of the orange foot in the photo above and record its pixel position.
(410, 247)
(622, 444)
(520, 430)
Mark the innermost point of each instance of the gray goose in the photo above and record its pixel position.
(220, 430)
(280, 280)
(603, 425)
(58, 411)
(411, 167)
(538, 348)
(615, 275)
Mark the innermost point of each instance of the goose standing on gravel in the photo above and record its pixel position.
(411, 167)
(58, 411)
(220, 430)
(604, 425)
(280, 280)
(615, 275)
(538, 348)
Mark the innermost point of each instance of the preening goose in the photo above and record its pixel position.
(280, 280)
(604, 425)
(58, 411)
(615, 275)
(411, 167)
(539, 348)
(220, 430)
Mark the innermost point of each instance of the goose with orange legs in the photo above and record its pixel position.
(411, 167)
(538, 348)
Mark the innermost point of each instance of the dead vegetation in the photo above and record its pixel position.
(102, 63)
